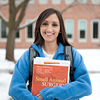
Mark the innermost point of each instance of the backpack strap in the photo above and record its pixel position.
(69, 56)
(32, 54)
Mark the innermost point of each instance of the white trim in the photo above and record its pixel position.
(29, 39)
(20, 36)
(72, 39)
(68, 2)
(92, 39)
(95, 2)
(1, 33)
(18, 1)
(0, 29)
(56, 3)
(79, 39)
(31, 2)
(83, 1)
(41, 2)
(2, 39)
(3, 1)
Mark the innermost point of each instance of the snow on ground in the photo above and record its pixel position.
(91, 59)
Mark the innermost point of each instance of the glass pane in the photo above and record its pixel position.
(69, 27)
(17, 34)
(82, 34)
(43, 1)
(3, 0)
(3, 30)
(95, 30)
(30, 31)
(69, 36)
(69, 0)
(56, 1)
(82, 25)
(95, 0)
(82, 0)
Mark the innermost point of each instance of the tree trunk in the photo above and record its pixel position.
(10, 45)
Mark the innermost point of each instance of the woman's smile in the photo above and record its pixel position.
(49, 33)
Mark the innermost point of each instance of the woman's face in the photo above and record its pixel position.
(50, 29)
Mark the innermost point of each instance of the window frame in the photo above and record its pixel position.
(20, 34)
(7, 30)
(95, 2)
(70, 39)
(3, 2)
(42, 3)
(29, 39)
(82, 39)
(3, 39)
(95, 20)
(56, 3)
(69, 2)
(83, 1)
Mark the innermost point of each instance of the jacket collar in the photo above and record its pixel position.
(38, 48)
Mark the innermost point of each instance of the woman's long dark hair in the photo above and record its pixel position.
(62, 37)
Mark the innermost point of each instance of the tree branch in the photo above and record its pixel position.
(4, 20)
(22, 13)
(26, 25)
(12, 4)
(75, 3)
(19, 6)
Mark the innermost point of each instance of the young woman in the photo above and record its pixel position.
(50, 39)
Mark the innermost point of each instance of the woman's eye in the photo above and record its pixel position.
(45, 24)
(54, 25)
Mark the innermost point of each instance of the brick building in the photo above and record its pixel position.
(82, 22)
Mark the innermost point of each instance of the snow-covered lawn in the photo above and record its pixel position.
(91, 59)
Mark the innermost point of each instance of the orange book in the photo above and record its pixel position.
(49, 73)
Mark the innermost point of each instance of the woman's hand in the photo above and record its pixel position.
(39, 96)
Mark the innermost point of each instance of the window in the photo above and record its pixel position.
(31, 1)
(96, 1)
(56, 1)
(95, 30)
(69, 25)
(43, 1)
(69, 1)
(29, 30)
(3, 1)
(82, 1)
(3, 30)
(82, 29)
(18, 35)
(18, 1)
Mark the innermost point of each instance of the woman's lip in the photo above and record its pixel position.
(49, 34)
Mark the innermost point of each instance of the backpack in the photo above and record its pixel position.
(67, 56)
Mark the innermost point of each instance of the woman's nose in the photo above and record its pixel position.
(49, 28)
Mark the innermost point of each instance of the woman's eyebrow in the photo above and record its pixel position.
(55, 21)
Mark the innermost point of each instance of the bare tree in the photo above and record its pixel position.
(13, 25)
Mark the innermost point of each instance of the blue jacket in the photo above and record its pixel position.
(71, 91)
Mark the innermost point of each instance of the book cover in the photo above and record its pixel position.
(49, 73)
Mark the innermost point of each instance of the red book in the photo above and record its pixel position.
(49, 73)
